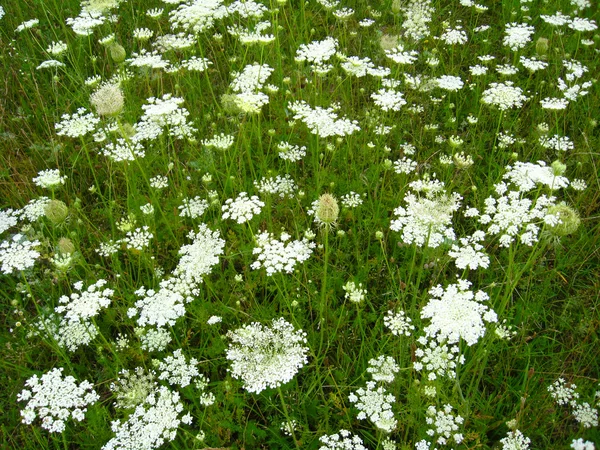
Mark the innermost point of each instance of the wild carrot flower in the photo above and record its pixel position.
(54, 399)
(266, 357)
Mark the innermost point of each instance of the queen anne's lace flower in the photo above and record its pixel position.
(323, 121)
(375, 404)
(344, 440)
(151, 424)
(457, 313)
(54, 399)
(243, 208)
(504, 96)
(18, 254)
(426, 220)
(77, 125)
(266, 357)
(277, 255)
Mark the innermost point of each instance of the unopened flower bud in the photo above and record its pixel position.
(66, 246)
(56, 211)
(568, 220)
(541, 46)
(558, 168)
(327, 211)
(117, 52)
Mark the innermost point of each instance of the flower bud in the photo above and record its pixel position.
(56, 211)
(541, 46)
(66, 246)
(327, 211)
(568, 218)
(117, 52)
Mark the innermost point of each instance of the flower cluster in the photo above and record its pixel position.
(152, 423)
(426, 220)
(54, 399)
(323, 121)
(375, 403)
(266, 357)
(277, 255)
(18, 254)
(243, 208)
(457, 313)
(445, 424)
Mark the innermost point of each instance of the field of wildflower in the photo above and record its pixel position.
(299, 224)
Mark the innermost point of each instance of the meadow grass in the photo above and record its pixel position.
(461, 223)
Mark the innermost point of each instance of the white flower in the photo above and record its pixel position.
(243, 208)
(437, 358)
(457, 313)
(83, 305)
(54, 399)
(176, 370)
(18, 254)
(277, 255)
(193, 207)
(49, 179)
(138, 239)
(152, 424)
(266, 357)
(375, 404)
(321, 121)
(354, 293)
(8, 219)
(398, 323)
(344, 440)
(317, 53)
(515, 440)
(445, 424)
(383, 369)
(580, 444)
(517, 35)
(283, 186)
(388, 99)
(450, 83)
(78, 124)
(427, 220)
(562, 392)
(504, 96)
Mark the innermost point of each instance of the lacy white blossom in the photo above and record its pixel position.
(375, 404)
(503, 95)
(398, 323)
(457, 313)
(176, 370)
(515, 440)
(152, 424)
(344, 440)
(77, 125)
(437, 358)
(243, 208)
(517, 35)
(193, 207)
(383, 368)
(266, 357)
(84, 305)
(278, 255)
(55, 399)
(18, 254)
(426, 220)
(445, 424)
(323, 121)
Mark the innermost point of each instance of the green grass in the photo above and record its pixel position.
(547, 293)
